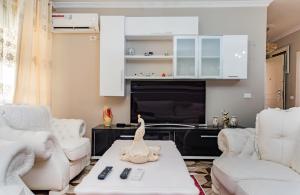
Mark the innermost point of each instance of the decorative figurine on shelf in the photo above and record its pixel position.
(233, 122)
(138, 152)
(215, 122)
(131, 51)
(225, 119)
(107, 116)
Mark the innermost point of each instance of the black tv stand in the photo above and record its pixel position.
(193, 142)
(170, 125)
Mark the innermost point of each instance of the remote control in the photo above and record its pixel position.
(137, 174)
(104, 173)
(125, 173)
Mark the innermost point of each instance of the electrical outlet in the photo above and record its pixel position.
(247, 95)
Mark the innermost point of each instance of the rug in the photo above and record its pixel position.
(199, 170)
(201, 191)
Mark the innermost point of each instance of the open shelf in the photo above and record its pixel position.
(153, 57)
(147, 78)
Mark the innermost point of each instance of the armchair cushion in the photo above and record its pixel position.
(271, 187)
(25, 117)
(67, 128)
(238, 142)
(278, 132)
(41, 142)
(16, 160)
(76, 148)
(230, 170)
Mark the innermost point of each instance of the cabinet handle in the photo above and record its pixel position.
(232, 76)
(126, 136)
(209, 136)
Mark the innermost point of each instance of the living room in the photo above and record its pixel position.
(210, 86)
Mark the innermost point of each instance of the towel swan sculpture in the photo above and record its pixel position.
(138, 152)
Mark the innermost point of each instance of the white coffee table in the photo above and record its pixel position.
(168, 176)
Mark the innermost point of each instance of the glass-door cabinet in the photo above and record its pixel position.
(185, 56)
(210, 65)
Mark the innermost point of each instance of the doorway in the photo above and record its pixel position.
(297, 102)
(275, 79)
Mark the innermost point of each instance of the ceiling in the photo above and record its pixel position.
(283, 15)
(283, 18)
(158, 3)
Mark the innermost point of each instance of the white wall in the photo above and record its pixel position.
(76, 67)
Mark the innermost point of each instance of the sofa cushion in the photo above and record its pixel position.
(254, 187)
(277, 132)
(76, 148)
(26, 117)
(230, 170)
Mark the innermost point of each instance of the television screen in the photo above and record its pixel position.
(168, 101)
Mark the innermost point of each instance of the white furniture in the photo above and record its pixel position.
(185, 56)
(16, 160)
(169, 175)
(60, 150)
(161, 26)
(118, 33)
(112, 46)
(235, 54)
(210, 57)
(260, 161)
(178, 52)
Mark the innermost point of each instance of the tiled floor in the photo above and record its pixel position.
(200, 169)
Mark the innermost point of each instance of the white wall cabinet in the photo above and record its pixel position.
(216, 57)
(235, 56)
(179, 53)
(145, 26)
(112, 58)
(185, 62)
(210, 57)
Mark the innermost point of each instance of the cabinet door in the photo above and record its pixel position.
(235, 54)
(143, 26)
(210, 62)
(197, 143)
(185, 56)
(112, 59)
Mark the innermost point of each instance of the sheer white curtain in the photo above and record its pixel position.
(34, 64)
(10, 21)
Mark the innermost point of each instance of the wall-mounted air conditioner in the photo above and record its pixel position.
(75, 23)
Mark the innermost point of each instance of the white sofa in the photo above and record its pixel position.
(260, 161)
(61, 151)
(16, 160)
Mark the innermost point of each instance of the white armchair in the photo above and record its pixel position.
(260, 161)
(61, 151)
(238, 142)
(16, 160)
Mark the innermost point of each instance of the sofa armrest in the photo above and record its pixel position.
(16, 160)
(68, 128)
(41, 142)
(238, 142)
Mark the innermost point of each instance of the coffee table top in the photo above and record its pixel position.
(169, 175)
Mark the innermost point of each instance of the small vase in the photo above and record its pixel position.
(107, 121)
(215, 121)
(107, 116)
(233, 121)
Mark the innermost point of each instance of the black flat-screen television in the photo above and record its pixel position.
(174, 102)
